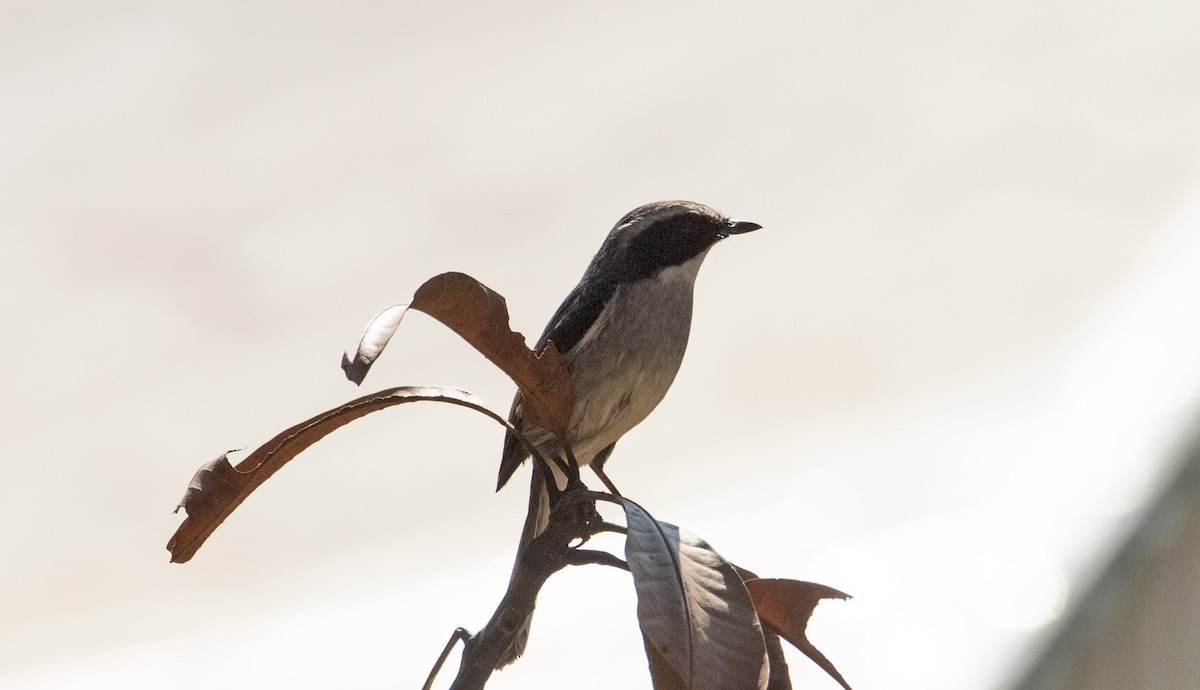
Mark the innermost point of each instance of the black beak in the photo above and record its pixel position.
(737, 227)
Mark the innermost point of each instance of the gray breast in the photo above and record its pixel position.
(625, 363)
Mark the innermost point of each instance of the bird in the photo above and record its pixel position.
(622, 333)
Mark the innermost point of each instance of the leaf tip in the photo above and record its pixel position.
(374, 339)
(178, 555)
(355, 369)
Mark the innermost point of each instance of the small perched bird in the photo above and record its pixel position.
(622, 333)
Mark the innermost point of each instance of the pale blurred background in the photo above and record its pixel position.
(945, 377)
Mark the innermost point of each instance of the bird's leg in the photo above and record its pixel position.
(598, 469)
(573, 478)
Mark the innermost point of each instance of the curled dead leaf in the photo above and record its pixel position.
(479, 315)
(375, 337)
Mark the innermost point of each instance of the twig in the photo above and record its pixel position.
(598, 470)
(458, 634)
(593, 557)
(609, 527)
(573, 516)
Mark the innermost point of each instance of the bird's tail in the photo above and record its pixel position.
(536, 520)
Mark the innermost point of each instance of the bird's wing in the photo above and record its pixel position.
(575, 317)
(514, 452)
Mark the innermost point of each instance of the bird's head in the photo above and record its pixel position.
(660, 235)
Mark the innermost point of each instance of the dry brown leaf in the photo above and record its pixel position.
(218, 487)
(479, 315)
(784, 607)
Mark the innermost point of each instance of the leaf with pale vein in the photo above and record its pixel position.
(218, 488)
(693, 608)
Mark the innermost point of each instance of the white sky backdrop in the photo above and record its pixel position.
(941, 378)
